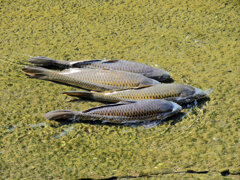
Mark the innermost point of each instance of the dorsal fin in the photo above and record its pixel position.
(109, 105)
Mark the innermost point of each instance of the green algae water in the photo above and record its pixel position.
(196, 41)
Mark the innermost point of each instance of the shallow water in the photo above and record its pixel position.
(196, 41)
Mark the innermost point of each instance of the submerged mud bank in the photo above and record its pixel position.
(197, 42)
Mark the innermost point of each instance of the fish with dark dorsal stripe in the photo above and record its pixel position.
(122, 112)
(91, 79)
(120, 65)
(178, 93)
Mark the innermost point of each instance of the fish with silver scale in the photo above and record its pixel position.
(138, 97)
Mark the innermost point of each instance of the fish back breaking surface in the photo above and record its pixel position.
(178, 93)
(123, 112)
(120, 65)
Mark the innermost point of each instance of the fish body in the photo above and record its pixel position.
(120, 65)
(178, 93)
(91, 79)
(122, 112)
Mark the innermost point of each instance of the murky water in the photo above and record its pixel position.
(197, 42)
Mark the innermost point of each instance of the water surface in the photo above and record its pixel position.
(196, 41)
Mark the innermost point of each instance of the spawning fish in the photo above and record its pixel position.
(120, 65)
(122, 112)
(178, 93)
(92, 79)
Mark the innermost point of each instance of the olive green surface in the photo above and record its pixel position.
(198, 42)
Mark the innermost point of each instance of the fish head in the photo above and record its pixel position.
(159, 75)
(191, 94)
(199, 94)
(168, 108)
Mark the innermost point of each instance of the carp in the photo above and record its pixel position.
(91, 79)
(178, 93)
(122, 112)
(120, 65)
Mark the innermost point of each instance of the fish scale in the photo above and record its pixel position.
(174, 92)
(153, 92)
(132, 110)
(120, 65)
(92, 79)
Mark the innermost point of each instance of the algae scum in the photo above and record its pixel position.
(196, 41)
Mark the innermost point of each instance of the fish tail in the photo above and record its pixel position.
(61, 115)
(37, 72)
(81, 94)
(49, 63)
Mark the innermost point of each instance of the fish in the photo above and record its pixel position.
(177, 93)
(91, 79)
(120, 65)
(121, 112)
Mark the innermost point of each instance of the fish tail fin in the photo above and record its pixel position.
(61, 115)
(49, 63)
(81, 94)
(37, 72)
